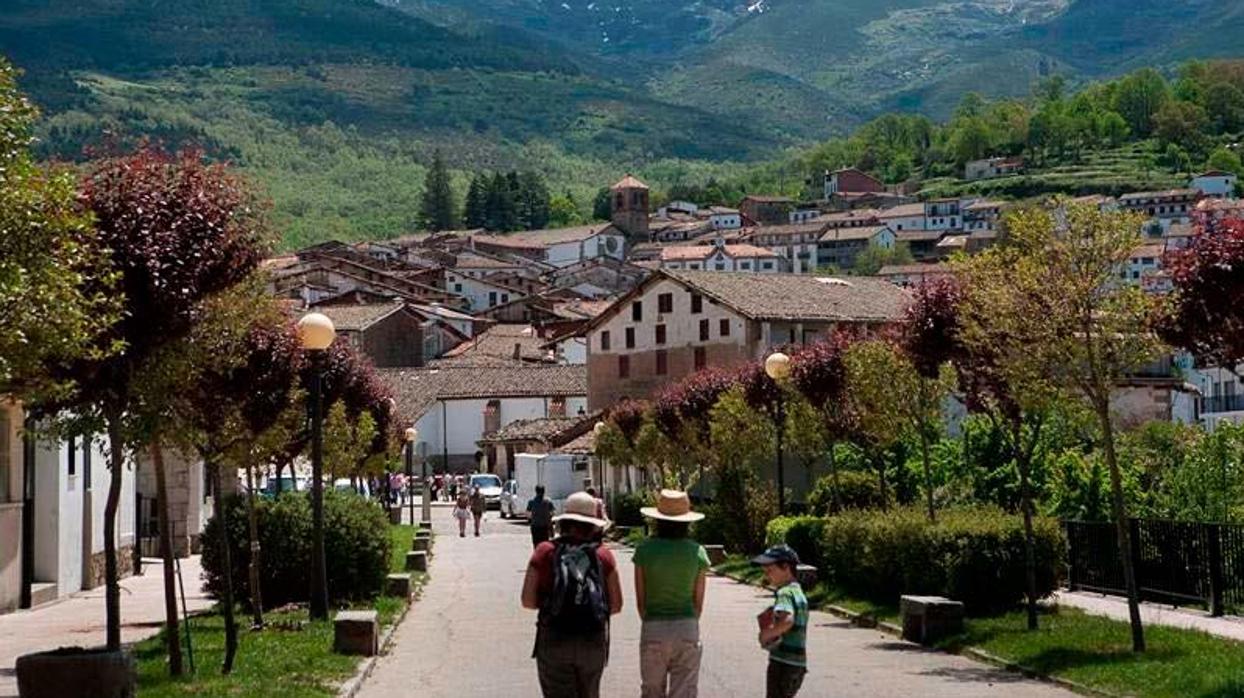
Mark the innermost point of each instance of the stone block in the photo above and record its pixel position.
(416, 561)
(357, 632)
(807, 576)
(423, 533)
(716, 554)
(399, 584)
(426, 525)
(395, 516)
(927, 619)
(421, 544)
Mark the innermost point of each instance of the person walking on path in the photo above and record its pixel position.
(477, 507)
(540, 516)
(573, 583)
(601, 513)
(462, 512)
(784, 625)
(670, 578)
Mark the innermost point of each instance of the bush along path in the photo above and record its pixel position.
(291, 657)
(1091, 654)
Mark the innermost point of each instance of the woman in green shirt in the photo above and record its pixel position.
(670, 575)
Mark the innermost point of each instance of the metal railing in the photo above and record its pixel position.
(1222, 403)
(1175, 561)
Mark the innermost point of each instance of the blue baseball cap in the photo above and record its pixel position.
(776, 554)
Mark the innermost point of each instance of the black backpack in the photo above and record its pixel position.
(577, 604)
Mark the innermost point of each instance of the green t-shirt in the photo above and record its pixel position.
(670, 566)
(793, 649)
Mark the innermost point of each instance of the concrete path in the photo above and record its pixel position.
(78, 620)
(468, 637)
(1230, 627)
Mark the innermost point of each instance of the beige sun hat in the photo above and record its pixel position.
(581, 506)
(672, 505)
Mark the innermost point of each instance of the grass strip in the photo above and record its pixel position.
(276, 662)
(1089, 650)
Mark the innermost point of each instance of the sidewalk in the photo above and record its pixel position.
(79, 618)
(1230, 627)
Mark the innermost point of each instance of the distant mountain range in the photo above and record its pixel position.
(308, 93)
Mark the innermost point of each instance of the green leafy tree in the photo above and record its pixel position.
(438, 209)
(1225, 160)
(1138, 97)
(533, 201)
(56, 284)
(501, 209)
(564, 211)
(1182, 124)
(870, 260)
(602, 205)
(1224, 106)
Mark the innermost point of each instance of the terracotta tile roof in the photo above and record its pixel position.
(812, 226)
(532, 239)
(418, 389)
(902, 211)
(1169, 193)
(919, 235)
(864, 232)
(355, 318)
(532, 429)
(629, 182)
(498, 341)
(769, 199)
(583, 445)
(799, 296)
(475, 260)
(983, 205)
(684, 252)
(917, 268)
(853, 215)
(1149, 249)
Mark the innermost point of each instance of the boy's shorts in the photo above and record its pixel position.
(783, 680)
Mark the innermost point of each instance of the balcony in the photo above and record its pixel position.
(1222, 403)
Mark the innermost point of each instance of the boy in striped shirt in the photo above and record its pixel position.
(784, 625)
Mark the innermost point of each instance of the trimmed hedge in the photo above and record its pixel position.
(857, 490)
(356, 545)
(973, 555)
(625, 508)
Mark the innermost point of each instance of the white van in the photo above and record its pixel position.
(561, 474)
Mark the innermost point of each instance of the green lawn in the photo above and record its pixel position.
(273, 663)
(1070, 644)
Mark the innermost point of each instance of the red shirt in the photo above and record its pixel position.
(542, 560)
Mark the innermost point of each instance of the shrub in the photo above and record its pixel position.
(356, 546)
(712, 528)
(856, 490)
(803, 533)
(625, 508)
(972, 555)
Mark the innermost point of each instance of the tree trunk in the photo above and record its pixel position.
(231, 626)
(252, 518)
(880, 463)
(1122, 531)
(928, 474)
(1023, 458)
(833, 474)
(173, 635)
(112, 581)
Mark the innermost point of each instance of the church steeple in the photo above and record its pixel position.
(629, 207)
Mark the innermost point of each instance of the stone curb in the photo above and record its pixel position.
(354, 684)
(862, 621)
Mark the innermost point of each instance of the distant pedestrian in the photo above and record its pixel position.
(784, 625)
(397, 486)
(477, 507)
(438, 487)
(601, 513)
(670, 577)
(540, 516)
(462, 512)
(573, 582)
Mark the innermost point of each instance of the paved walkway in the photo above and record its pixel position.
(1231, 627)
(78, 620)
(468, 637)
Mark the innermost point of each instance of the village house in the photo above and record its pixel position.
(855, 218)
(982, 215)
(52, 496)
(1144, 261)
(720, 256)
(767, 210)
(796, 244)
(942, 214)
(1215, 184)
(849, 180)
(560, 247)
(725, 218)
(480, 293)
(989, 168)
(1162, 207)
(904, 217)
(838, 247)
(541, 435)
(392, 334)
(454, 406)
(678, 322)
(921, 243)
(676, 231)
(913, 275)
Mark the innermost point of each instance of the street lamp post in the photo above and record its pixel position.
(316, 332)
(597, 430)
(777, 367)
(411, 435)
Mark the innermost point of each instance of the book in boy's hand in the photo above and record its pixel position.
(765, 621)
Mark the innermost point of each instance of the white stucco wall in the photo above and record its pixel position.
(462, 423)
(682, 328)
(480, 295)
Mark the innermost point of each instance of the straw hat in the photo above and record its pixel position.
(672, 505)
(581, 506)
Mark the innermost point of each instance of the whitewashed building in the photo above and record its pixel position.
(1215, 184)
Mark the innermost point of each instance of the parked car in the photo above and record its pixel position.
(286, 484)
(343, 484)
(511, 506)
(490, 486)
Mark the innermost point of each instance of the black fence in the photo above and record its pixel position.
(1176, 562)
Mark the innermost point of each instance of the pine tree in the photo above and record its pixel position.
(476, 213)
(533, 198)
(502, 214)
(438, 211)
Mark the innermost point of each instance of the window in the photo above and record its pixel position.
(624, 367)
(724, 328)
(604, 340)
(457, 288)
(697, 303)
(720, 266)
(557, 407)
(630, 338)
(660, 334)
(704, 330)
(492, 298)
(665, 303)
(693, 265)
(71, 456)
(505, 298)
(637, 311)
(701, 358)
(662, 362)
(767, 265)
(745, 266)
